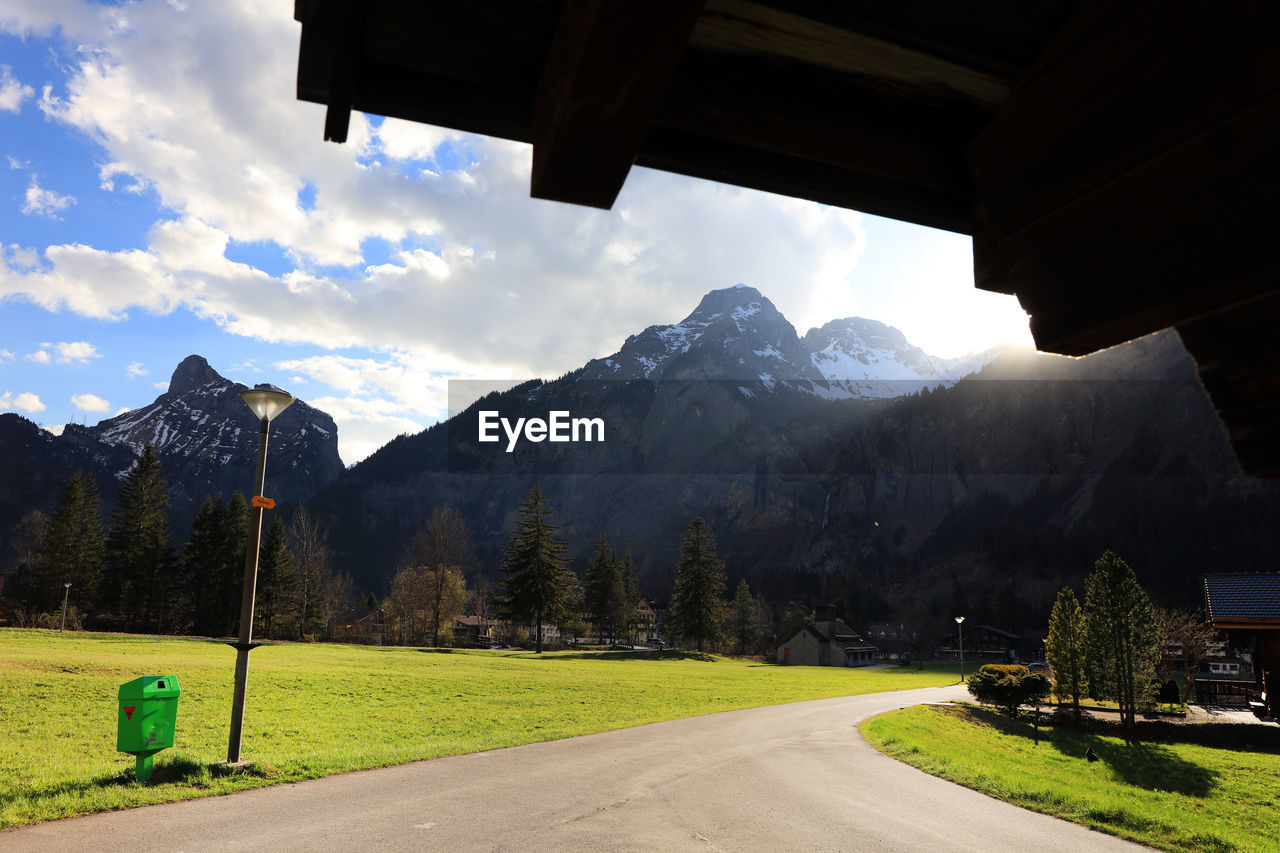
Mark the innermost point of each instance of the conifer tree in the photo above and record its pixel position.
(139, 554)
(72, 551)
(744, 621)
(233, 538)
(203, 572)
(603, 592)
(1122, 636)
(276, 578)
(696, 604)
(630, 590)
(1065, 649)
(538, 583)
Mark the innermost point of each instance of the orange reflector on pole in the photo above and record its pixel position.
(265, 503)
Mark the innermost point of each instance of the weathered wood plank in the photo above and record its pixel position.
(737, 26)
(607, 71)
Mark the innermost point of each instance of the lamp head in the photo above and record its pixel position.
(959, 619)
(266, 401)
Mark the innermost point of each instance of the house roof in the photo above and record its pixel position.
(1078, 142)
(1233, 598)
(839, 634)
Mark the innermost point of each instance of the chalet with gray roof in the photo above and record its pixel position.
(827, 641)
(1247, 607)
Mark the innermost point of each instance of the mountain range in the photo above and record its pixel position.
(845, 463)
(204, 434)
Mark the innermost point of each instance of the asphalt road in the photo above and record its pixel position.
(788, 777)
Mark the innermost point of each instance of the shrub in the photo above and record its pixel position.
(1016, 670)
(1007, 687)
(1169, 693)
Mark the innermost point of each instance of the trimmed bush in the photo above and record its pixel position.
(1007, 687)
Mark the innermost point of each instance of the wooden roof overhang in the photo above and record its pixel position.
(1114, 161)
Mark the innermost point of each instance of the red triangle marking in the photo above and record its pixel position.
(128, 713)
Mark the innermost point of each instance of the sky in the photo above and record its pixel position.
(163, 193)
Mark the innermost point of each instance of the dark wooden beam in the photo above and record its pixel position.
(813, 113)
(604, 79)
(1237, 353)
(1129, 183)
(1156, 77)
(720, 160)
(343, 77)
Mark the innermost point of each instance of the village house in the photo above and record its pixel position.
(827, 641)
(981, 642)
(1247, 608)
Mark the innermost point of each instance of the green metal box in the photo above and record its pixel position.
(148, 714)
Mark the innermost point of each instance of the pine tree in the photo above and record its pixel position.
(630, 591)
(276, 578)
(1065, 649)
(233, 539)
(202, 569)
(538, 583)
(603, 592)
(139, 555)
(744, 622)
(696, 604)
(73, 549)
(1122, 637)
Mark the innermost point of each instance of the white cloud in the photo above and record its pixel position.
(135, 368)
(15, 163)
(6, 355)
(47, 203)
(196, 104)
(12, 92)
(122, 410)
(24, 402)
(64, 352)
(160, 386)
(364, 425)
(18, 257)
(56, 429)
(90, 403)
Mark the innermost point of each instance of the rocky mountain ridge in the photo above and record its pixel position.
(736, 333)
(205, 436)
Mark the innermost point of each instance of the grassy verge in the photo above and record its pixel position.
(314, 710)
(1172, 795)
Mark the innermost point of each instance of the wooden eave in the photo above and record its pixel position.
(1113, 160)
(1245, 624)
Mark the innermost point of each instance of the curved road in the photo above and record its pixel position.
(787, 777)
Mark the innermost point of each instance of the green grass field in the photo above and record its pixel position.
(1170, 795)
(314, 710)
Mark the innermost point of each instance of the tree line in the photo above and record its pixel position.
(128, 573)
(1110, 647)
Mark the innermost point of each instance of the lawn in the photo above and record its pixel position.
(318, 709)
(1172, 794)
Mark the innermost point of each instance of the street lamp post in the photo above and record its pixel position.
(960, 629)
(66, 592)
(266, 402)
